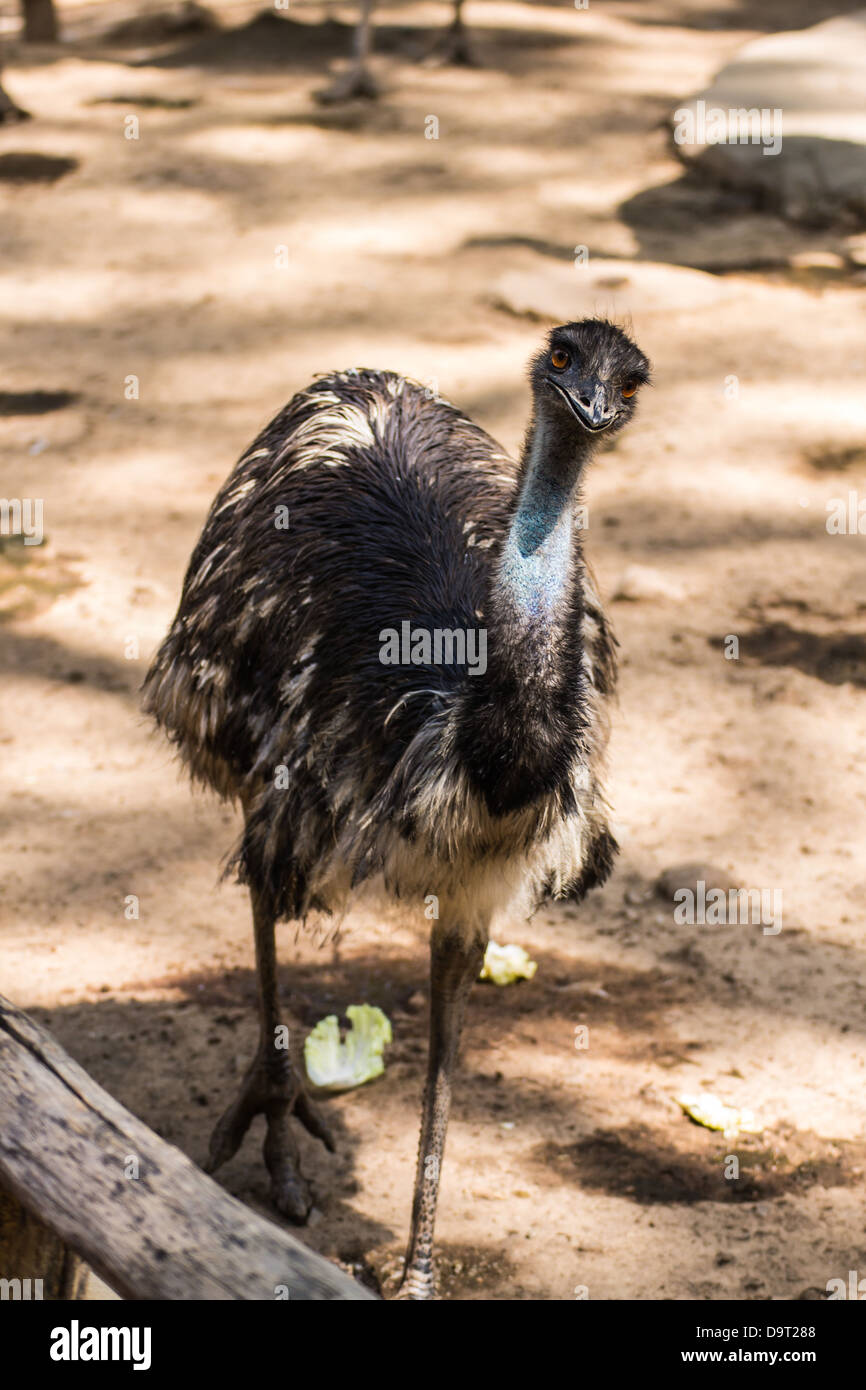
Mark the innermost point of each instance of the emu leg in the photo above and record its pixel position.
(357, 80)
(454, 47)
(454, 964)
(272, 1087)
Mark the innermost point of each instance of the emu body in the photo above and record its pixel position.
(366, 504)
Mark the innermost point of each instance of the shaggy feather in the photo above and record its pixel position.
(485, 790)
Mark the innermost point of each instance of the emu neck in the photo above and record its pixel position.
(536, 562)
(519, 726)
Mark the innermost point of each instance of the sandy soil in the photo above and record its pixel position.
(155, 258)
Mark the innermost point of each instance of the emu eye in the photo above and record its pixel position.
(559, 359)
(629, 388)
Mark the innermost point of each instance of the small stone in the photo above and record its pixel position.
(642, 582)
(673, 880)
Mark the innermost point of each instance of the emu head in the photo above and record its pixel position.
(586, 380)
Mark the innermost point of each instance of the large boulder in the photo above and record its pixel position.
(786, 121)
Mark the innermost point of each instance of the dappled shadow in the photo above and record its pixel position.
(696, 220)
(835, 458)
(20, 166)
(36, 402)
(833, 657)
(646, 1167)
(146, 101)
(27, 654)
(631, 1005)
(689, 221)
(764, 16)
(693, 221)
(163, 24)
(269, 41)
(265, 42)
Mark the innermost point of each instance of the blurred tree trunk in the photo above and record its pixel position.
(40, 21)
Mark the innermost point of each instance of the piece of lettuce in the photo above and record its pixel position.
(707, 1110)
(335, 1064)
(505, 964)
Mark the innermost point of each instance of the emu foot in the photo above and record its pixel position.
(356, 83)
(418, 1284)
(273, 1088)
(453, 49)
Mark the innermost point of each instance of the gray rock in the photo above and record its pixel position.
(670, 881)
(808, 88)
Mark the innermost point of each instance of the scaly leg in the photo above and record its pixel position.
(357, 80)
(272, 1087)
(455, 963)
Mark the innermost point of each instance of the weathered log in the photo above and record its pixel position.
(150, 1223)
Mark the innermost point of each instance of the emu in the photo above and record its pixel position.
(358, 81)
(484, 789)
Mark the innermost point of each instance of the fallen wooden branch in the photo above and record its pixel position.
(150, 1223)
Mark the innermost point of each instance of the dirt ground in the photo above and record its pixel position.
(567, 1169)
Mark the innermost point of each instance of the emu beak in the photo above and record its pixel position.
(587, 402)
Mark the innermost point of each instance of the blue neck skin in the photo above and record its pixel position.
(535, 568)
